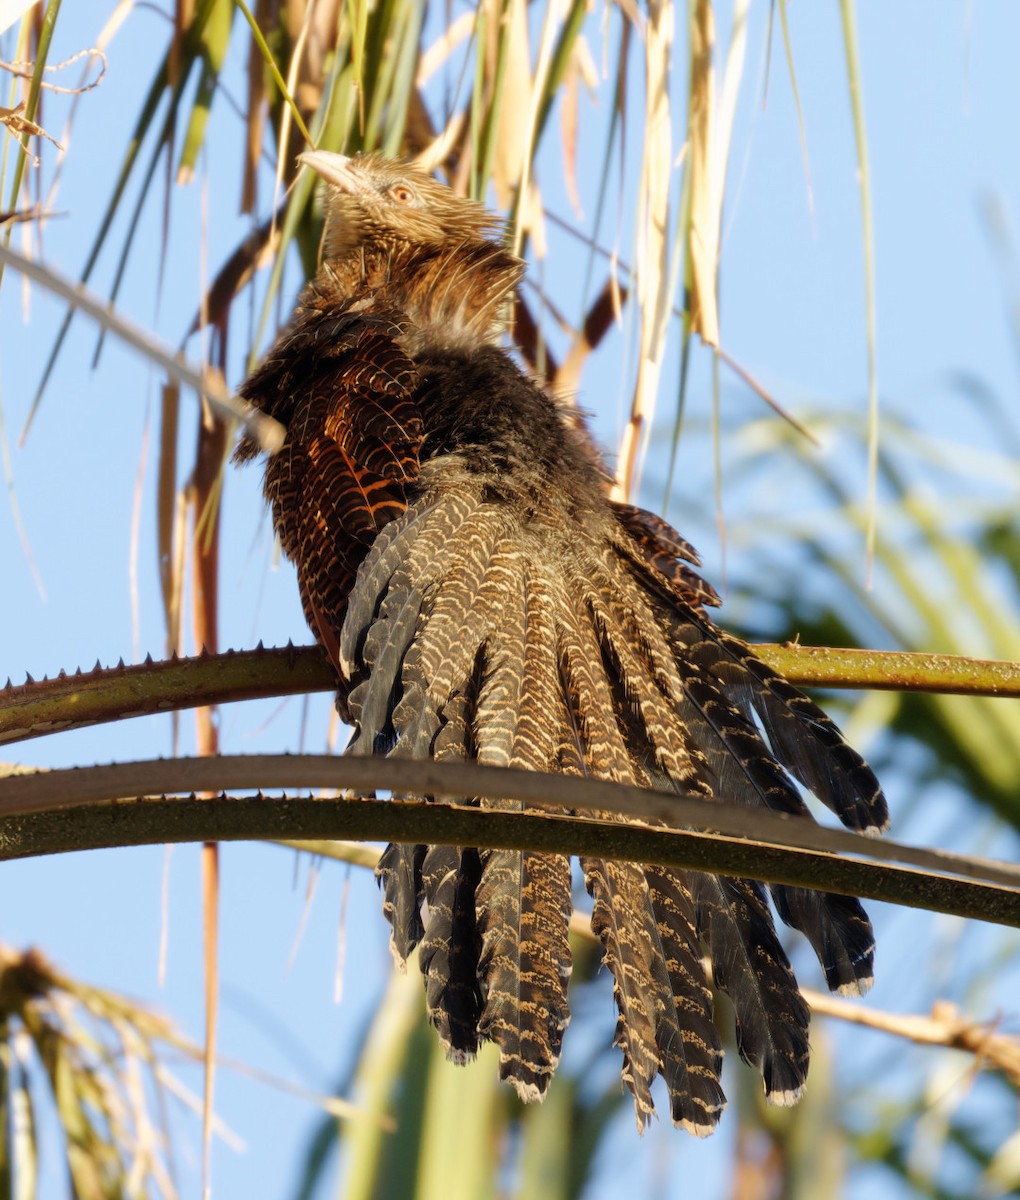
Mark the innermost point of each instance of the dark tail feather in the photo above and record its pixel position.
(449, 950)
(399, 874)
(752, 969)
(807, 743)
(839, 931)
(691, 1062)
(371, 703)
(375, 574)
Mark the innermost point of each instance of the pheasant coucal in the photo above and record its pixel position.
(482, 598)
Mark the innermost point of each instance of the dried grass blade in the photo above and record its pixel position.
(652, 249)
(867, 234)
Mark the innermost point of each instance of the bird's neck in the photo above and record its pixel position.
(453, 295)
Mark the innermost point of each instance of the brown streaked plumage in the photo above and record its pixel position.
(482, 598)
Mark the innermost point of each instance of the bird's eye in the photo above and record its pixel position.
(400, 193)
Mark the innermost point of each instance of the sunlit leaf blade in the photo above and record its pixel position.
(42, 50)
(7, 1101)
(403, 79)
(142, 126)
(213, 50)
(788, 50)
(389, 1080)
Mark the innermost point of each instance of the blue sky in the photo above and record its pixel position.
(940, 92)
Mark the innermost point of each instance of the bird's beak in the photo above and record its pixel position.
(337, 169)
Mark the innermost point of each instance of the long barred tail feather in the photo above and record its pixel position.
(689, 1041)
(751, 967)
(399, 873)
(524, 906)
(448, 954)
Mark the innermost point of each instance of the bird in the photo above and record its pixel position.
(482, 597)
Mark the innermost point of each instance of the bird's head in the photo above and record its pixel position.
(377, 201)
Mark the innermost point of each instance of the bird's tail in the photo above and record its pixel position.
(466, 640)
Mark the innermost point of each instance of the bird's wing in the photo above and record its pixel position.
(344, 388)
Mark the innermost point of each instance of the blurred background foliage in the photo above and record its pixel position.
(623, 112)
